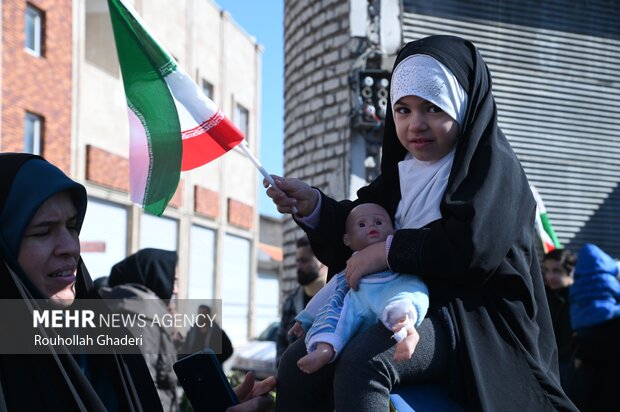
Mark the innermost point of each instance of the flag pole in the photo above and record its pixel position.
(243, 146)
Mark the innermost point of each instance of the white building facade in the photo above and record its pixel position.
(212, 221)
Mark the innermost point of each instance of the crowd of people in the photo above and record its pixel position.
(150, 274)
(438, 252)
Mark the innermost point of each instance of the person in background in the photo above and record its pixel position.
(41, 215)
(311, 277)
(558, 266)
(149, 274)
(595, 317)
(207, 334)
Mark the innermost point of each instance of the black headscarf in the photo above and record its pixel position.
(55, 381)
(27, 182)
(479, 259)
(153, 268)
(487, 187)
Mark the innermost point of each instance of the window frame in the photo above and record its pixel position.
(207, 88)
(33, 141)
(34, 30)
(241, 111)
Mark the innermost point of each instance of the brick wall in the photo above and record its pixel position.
(240, 214)
(107, 169)
(206, 202)
(112, 171)
(177, 198)
(317, 103)
(41, 85)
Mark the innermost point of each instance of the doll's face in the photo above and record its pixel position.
(426, 131)
(50, 249)
(367, 224)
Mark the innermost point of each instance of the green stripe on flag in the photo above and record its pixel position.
(549, 229)
(159, 57)
(142, 63)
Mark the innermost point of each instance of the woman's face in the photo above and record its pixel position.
(50, 249)
(426, 131)
(554, 274)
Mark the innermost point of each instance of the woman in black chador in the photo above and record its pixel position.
(464, 215)
(41, 213)
(148, 276)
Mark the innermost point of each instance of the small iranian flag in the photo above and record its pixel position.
(543, 225)
(173, 126)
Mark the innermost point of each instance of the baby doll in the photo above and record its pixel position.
(336, 313)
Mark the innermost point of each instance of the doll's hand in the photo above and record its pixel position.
(297, 330)
(292, 195)
(368, 260)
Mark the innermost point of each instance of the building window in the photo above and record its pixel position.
(34, 30)
(235, 278)
(201, 263)
(158, 232)
(104, 234)
(207, 89)
(33, 128)
(99, 48)
(242, 118)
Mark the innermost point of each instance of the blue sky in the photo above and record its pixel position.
(263, 19)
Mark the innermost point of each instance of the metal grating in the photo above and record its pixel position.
(555, 79)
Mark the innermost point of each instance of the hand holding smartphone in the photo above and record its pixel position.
(204, 382)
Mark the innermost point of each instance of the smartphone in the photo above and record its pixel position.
(204, 382)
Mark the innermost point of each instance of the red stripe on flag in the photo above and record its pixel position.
(209, 141)
(548, 246)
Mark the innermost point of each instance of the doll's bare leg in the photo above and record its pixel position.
(406, 347)
(315, 360)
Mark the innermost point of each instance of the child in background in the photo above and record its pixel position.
(399, 301)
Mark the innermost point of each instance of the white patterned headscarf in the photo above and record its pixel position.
(423, 76)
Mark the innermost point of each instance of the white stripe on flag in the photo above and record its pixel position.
(139, 159)
(193, 106)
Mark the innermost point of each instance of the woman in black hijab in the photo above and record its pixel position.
(488, 333)
(41, 212)
(143, 284)
(150, 267)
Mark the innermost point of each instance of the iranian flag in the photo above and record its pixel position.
(173, 126)
(543, 225)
